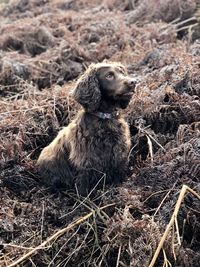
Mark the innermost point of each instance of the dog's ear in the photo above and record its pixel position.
(87, 91)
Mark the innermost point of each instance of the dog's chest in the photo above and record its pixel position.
(101, 144)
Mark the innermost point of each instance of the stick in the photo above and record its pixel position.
(184, 189)
(118, 256)
(57, 235)
(150, 149)
(187, 27)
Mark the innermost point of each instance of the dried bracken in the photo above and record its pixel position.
(44, 47)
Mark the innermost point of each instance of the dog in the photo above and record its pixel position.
(93, 149)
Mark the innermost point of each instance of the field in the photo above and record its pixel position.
(44, 46)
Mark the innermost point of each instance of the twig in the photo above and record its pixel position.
(183, 191)
(150, 149)
(118, 256)
(166, 261)
(76, 249)
(42, 223)
(173, 242)
(164, 199)
(186, 21)
(57, 235)
(52, 261)
(23, 110)
(177, 231)
(17, 246)
(187, 27)
(158, 192)
(150, 136)
(84, 200)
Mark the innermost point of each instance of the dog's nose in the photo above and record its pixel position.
(131, 83)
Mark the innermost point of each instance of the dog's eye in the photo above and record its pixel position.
(110, 76)
(122, 71)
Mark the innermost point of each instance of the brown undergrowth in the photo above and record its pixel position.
(44, 46)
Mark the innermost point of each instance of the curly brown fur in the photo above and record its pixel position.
(92, 149)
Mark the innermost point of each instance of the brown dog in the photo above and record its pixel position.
(93, 149)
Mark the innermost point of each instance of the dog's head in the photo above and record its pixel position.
(104, 81)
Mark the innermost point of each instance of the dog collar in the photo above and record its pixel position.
(104, 116)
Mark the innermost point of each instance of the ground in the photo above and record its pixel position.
(44, 46)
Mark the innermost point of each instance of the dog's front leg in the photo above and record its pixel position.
(89, 180)
(82, 184)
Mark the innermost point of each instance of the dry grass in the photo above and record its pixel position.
(43, 49)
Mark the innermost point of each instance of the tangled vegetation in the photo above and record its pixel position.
(44, 46)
